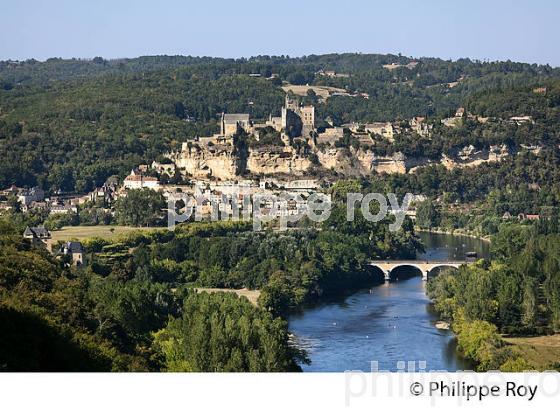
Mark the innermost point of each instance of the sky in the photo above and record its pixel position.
(518, 30)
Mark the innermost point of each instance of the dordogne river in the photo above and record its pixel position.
(388, 324)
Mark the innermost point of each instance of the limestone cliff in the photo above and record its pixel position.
(225, 161)
(395, 164)
(274, 160)
(345, 161)
(219, 161)
(471, 157)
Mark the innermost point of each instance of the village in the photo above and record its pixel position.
(220, 177)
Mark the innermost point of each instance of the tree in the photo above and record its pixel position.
(62, 177)
(479, 341)
(529, 306)
(427, 215)
(221, 333)
(509, 297)
(141, 207)
(126, 312)
(14, 203)
(516, 365)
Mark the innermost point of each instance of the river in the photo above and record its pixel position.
(387, 324)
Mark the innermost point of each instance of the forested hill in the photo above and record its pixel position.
(70, 124)
(432, 71)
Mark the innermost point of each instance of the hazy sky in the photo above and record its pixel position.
(519, 30)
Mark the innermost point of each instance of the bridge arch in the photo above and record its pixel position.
(434, 271)
(403, 271)
(376, 274)
(391, 267)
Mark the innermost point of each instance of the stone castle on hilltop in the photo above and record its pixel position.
(303, 149)
(231, 124)
(296, 121)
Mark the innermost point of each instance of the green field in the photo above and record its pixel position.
(541, 351)
(101, 231)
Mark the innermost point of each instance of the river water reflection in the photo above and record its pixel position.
(388, 323)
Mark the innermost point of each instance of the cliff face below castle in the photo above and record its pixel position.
(273, 161)
(227, 162)
(221, 162)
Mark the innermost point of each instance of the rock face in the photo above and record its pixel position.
(470, 157)
(395, 164)
(347, 161)
(219, 161)
(225, 161)
(273, 161)
(442, 325)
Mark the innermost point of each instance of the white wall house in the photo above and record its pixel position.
(138, 181)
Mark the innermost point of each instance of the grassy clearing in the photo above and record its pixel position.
(541, 351)
(321, 91)
(100, 231)
(252, 295)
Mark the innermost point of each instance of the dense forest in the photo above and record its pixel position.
(518, 293)
(70, 124)
(54, 318)
(134, 307)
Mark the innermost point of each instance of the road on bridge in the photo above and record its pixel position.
(425, 266)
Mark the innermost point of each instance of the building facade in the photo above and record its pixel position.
(138, 181)
(75, 250)
(231, 124)
(39, 236)
(297, 120)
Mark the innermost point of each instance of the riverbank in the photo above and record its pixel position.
(487, 300)
(456, 232)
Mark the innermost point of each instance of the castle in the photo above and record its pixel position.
(217, 156)
(296, 121)
(231, 124)
(298, 148)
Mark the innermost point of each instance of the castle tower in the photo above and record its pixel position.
(290, 104)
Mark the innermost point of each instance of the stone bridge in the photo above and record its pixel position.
(424, 266)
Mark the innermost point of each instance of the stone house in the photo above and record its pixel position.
(75, 250)
(27, 196)
(231, 124)
(138, 181)
(39, 236)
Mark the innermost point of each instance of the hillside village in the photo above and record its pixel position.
(291, 146)
(287, 154)
(130, 184)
